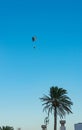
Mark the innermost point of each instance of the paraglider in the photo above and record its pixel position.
(34, 46)
(34, 40)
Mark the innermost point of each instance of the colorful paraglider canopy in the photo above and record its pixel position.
(34, 38)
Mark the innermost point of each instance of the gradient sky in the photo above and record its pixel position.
(27, 73)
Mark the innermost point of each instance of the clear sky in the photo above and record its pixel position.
(27, 73)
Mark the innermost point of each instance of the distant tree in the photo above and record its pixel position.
(57, 102)
(6, 128)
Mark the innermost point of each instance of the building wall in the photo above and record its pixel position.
(78, 126)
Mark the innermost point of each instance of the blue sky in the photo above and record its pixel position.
(27, 73)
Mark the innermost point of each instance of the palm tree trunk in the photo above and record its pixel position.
(55, 118)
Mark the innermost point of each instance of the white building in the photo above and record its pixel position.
(78, 126)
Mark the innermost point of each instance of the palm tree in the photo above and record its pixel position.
(6, 128)
(57, 102)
